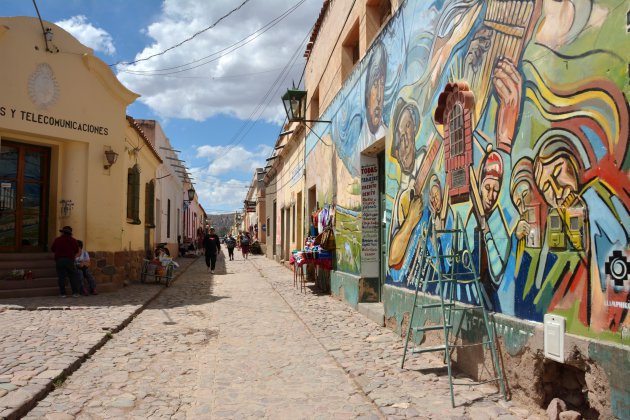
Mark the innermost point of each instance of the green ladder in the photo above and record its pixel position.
(461, 270)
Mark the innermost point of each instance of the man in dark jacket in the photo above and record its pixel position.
(212, 245)
(66, 249)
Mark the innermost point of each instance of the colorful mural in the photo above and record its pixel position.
(511, 116)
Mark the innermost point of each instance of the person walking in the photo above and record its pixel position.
(245, 241)
(82, 261)
(230, 243)
(212, 246)
(66, 248)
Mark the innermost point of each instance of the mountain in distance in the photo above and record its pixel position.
(221, 222)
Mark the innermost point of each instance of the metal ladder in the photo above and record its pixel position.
(461, 270)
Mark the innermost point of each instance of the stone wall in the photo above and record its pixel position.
(116, 267)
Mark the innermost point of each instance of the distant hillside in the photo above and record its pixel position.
(221, 222)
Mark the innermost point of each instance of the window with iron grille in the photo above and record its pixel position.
(133, 195)
(456, 129)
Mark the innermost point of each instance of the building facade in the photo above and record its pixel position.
(506, 121)
(71, 156)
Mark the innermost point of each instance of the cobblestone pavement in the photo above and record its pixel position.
(371, 356)
(43, 339)
(244, 343)
(221, 346)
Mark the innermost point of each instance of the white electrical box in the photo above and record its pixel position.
(554, 337)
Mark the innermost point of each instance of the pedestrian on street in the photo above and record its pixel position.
(82, 261)
(230, 243)
(245, 241)
(66, 249)
(212, 245)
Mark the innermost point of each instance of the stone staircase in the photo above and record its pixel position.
(44, 281)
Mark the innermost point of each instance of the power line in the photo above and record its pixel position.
(233, 76)
(184, 41)
(265, 101)
(231, 48)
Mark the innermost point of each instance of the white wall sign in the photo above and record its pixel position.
(370, 219)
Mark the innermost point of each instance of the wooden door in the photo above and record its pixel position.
(24, 190)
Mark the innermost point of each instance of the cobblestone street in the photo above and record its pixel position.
(240, 343)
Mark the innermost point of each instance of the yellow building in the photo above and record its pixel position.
(69, 156)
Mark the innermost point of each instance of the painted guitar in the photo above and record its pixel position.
(400, 241)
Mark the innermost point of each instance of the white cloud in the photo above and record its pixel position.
(232, 84)
(220, 194)
(88, 34)
(224, 159)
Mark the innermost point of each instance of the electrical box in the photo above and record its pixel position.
(554, 337)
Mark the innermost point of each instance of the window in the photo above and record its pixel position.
(574, 223)
(133, 195)
(168, 218)
(149, 204)
(377, 12)
(555, 223)
(350, 51)
(314, 105)
(268, 227)
(456, 130)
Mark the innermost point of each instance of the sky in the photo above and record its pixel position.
(214, 84)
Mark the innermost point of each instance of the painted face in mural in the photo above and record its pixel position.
(522, 196)
(435, 197)
(491, 177)
(490, 188)
(375, 88)
(375, 101)
(406, 132)
(556, 178)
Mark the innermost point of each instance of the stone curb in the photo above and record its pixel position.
(24, 408)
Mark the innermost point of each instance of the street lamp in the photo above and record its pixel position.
(191, 197)
(294, 102)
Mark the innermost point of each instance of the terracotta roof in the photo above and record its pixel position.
(136, 127)
(316, 28)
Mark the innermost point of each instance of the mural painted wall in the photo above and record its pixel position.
(509, 120)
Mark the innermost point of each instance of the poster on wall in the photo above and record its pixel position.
(369, 220)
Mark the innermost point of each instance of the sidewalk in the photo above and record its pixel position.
(44, 339)
(371, 355)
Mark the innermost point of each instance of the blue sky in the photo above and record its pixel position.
(221, 109)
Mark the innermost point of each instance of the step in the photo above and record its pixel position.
(441, 347)
(434, 305)
(25, 263)
(37, 282)
(49, 291)
(373, 311)
(432, 327)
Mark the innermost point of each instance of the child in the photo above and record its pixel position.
(82, 261)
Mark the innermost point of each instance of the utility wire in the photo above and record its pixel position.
(184, 41)
(233, 76)
(255, 115)
(231, 48)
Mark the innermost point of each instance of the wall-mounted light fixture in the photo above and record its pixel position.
(66, 207)
(110, 157)
(294, 102)
(191, 197)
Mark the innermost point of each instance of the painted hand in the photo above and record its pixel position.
(508, 85)
(522, 229)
